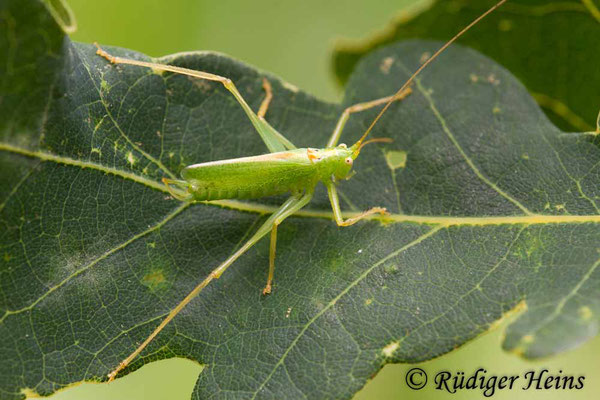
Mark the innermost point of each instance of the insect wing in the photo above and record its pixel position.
(251, 177)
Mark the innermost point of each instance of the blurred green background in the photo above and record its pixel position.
(294, 40)
(291, 38)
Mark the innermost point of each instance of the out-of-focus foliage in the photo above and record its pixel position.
(553, 47)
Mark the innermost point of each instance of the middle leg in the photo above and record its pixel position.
(278, 220)
(337, 212)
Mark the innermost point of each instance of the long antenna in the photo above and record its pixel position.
(426, 63)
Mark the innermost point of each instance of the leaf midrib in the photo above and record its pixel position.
(531, 219)
(439, 222)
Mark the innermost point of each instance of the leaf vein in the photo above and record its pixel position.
(148, 156)
(103, 256)
(467, 159)
(338, 297)
(561, 304)
(475, 287)
(531, 219)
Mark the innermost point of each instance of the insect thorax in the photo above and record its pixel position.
(334, 161)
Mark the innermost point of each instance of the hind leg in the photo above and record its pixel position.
(274, 140)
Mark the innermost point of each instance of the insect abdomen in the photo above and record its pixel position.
(204, 193)
(251, 177)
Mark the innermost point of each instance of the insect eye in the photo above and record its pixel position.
(348, 160)
(343, 146)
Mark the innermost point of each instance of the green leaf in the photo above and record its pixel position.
(552, 47)
(494, 210)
